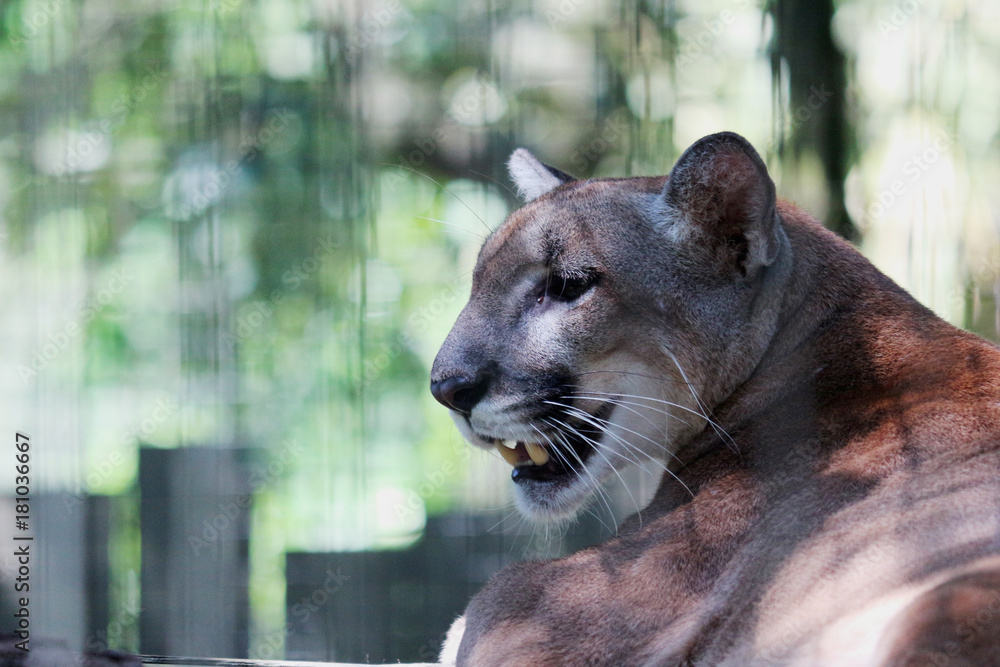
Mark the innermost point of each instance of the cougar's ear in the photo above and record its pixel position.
(719, 192)
(532, 178)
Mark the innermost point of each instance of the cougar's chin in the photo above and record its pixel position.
(557, 470)
(554, 501)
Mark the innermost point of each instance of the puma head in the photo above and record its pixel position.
(608, 316)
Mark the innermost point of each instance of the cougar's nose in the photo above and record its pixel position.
(460, 393)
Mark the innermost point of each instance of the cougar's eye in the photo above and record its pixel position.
(566, 288)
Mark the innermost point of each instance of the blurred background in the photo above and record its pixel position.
(234, 232)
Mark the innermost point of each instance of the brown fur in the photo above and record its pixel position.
(857, 519)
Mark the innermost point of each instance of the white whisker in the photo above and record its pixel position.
(585, 415)
(443, 187)
(605, 428)
(559, 455)
(721, 432)
(583, 468)
(718, 430)
(597, 450)
(452, 224)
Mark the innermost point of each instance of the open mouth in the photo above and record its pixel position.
(564, 454)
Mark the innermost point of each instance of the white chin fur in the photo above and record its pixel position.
(547, 503)
(555, 503)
